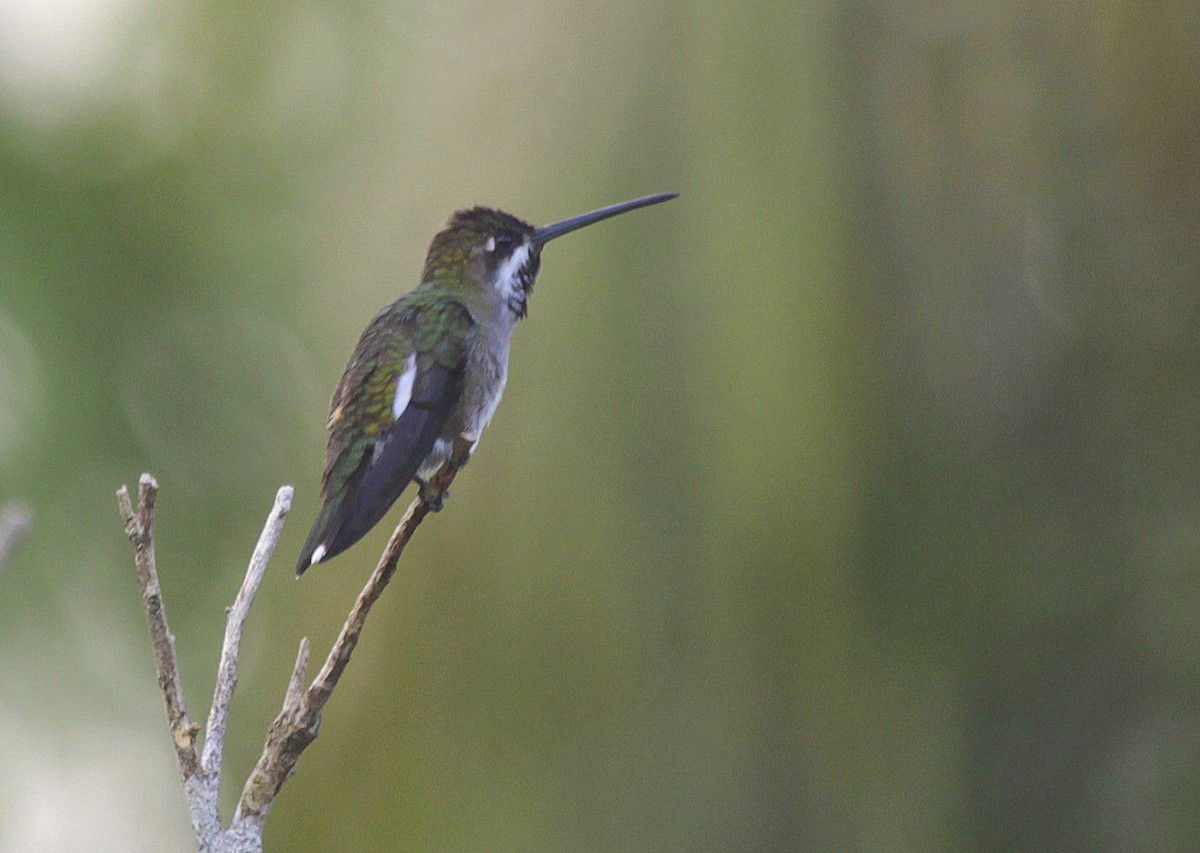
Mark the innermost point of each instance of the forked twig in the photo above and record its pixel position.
(299, 720)
(299, 723)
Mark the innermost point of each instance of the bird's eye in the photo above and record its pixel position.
(502, 243)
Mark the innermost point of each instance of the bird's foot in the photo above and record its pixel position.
(432, 501)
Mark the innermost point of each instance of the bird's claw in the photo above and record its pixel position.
(433, 502)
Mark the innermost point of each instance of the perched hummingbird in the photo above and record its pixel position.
(428, 371)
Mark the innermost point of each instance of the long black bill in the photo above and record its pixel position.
(546, 233)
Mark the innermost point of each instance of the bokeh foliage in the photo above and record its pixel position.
(846, 503)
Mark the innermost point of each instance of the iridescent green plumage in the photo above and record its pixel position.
(427, 326)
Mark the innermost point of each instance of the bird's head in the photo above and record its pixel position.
(499, 254)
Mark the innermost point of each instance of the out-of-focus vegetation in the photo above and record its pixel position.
(849, 502)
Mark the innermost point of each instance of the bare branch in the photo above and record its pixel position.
(339, 655)
(299, 721)
(15, 519)
(214, 734)
(140, 529)
(201, 776)
(297, 726)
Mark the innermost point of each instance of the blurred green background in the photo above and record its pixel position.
(849, 502)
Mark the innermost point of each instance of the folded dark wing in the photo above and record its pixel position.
(400, 449)
(399, 390)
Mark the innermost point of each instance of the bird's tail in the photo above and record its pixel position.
(324, 532)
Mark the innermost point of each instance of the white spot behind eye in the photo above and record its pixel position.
(508, 277)
(491, 245)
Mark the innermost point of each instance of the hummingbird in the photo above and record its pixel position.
(429, 369)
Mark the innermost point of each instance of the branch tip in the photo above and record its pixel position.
(125, 506)
(295, 689)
